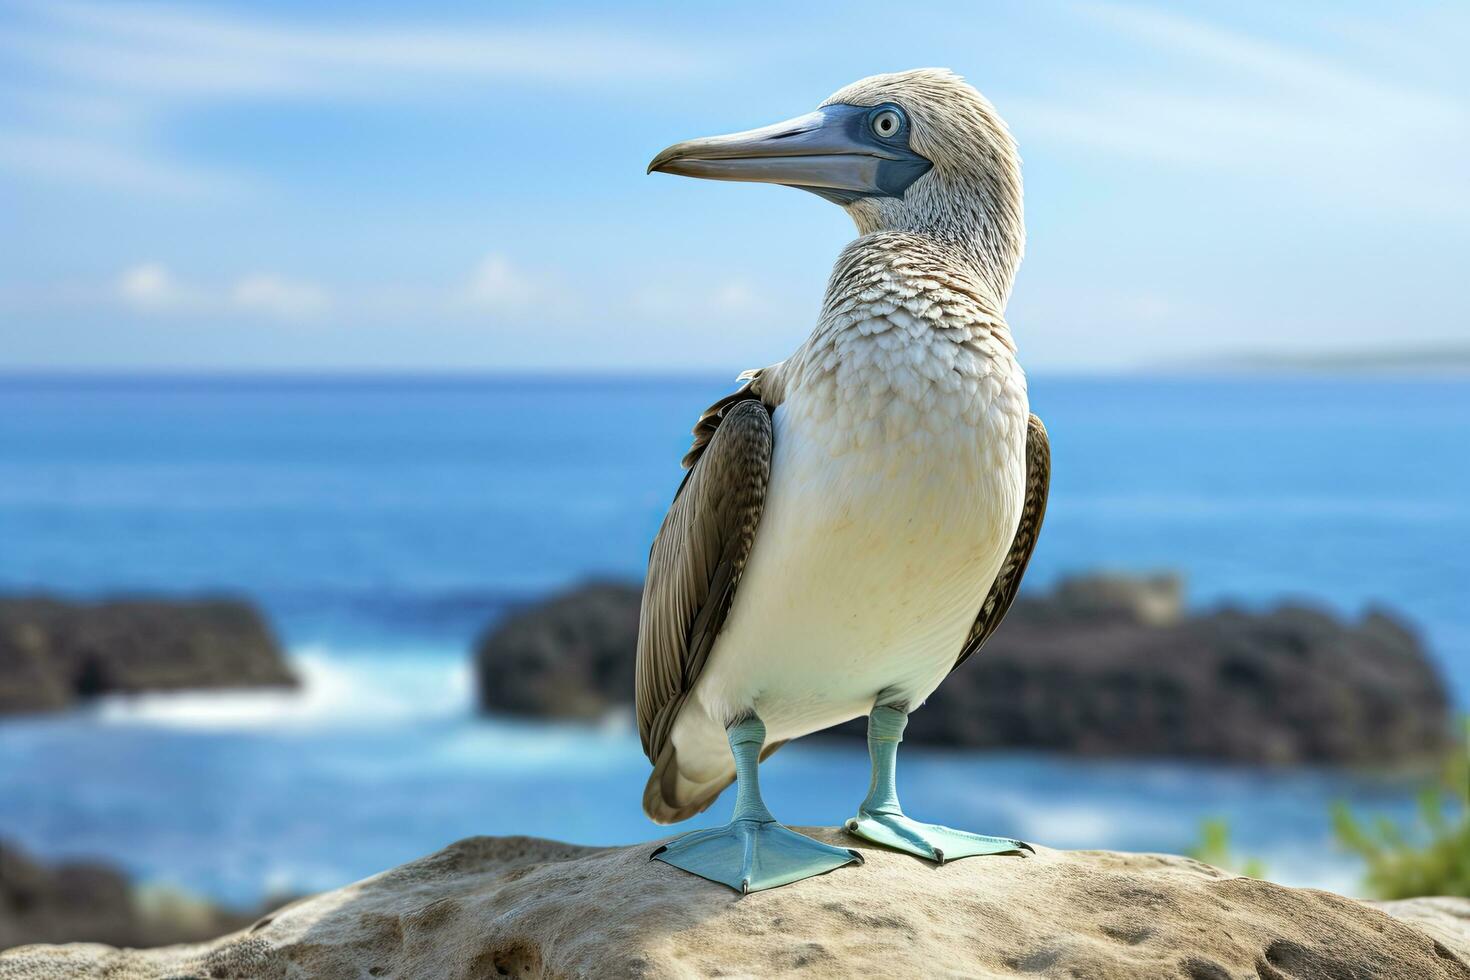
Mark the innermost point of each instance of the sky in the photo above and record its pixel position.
(441, 186)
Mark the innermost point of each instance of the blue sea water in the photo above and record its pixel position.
(383, 522)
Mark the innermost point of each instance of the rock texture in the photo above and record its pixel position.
(1104, 665)
(53, 653)
(76, 900)
(526, 908)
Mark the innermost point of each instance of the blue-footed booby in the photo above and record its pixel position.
(856, 519)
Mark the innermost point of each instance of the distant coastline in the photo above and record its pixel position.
(1447, 361)
(1448, 364)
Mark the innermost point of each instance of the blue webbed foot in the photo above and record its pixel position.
(929, 841)
(881, 819)
(752, 851)
(750, 855)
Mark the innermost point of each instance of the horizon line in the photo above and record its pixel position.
(349, 374)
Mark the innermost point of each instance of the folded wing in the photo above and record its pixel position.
(1033, 511)
(697, 558)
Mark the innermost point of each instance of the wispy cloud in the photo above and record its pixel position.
(194, 54)
(465, 171)
(106, 78)
(113, 162)
(1219, 99)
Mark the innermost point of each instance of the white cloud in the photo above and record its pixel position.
(498, 291)
(499, 286)
(280, 298)
(735, 297)
(152, 288)
(687, 302)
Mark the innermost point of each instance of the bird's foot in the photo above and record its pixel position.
(750, 855)
(929, 841)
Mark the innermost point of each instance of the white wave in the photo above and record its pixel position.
(335, 691)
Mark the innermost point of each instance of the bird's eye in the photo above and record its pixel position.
(886, 123)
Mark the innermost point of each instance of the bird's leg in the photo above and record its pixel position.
(752, 851)
(880, 818)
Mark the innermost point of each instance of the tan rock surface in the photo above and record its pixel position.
(521, 907)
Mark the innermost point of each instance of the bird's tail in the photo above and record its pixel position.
(672, 796)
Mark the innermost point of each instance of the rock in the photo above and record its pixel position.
(87, 900)
(74, 900)
(1442, 917)
(1291, 685)
(1149, 600)
(53, 653)
(570, 657)
(528, 908)
(1104, 665)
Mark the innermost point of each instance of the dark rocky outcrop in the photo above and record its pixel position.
(75, 901)
(570, 657)
(1290, 685)
(53, 653)
(529, 908)
(1103, 665)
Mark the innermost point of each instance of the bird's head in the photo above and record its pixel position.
(916, 151)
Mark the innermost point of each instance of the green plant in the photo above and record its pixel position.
(1214, 848)
(1430, 857)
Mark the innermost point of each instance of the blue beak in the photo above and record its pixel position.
(833, 152)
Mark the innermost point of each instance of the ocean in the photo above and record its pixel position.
(383, 522)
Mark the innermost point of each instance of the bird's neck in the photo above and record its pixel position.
(917, 280)
(995, 255)
(910, 340)
(985, 230)
(913, 262)
(992, 257)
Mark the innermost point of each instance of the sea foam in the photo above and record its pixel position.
(335, 691)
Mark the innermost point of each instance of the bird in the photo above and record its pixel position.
(854, 521)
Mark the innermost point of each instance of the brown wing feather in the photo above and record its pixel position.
(698, 556)
(709, 420)
(1033, 511)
